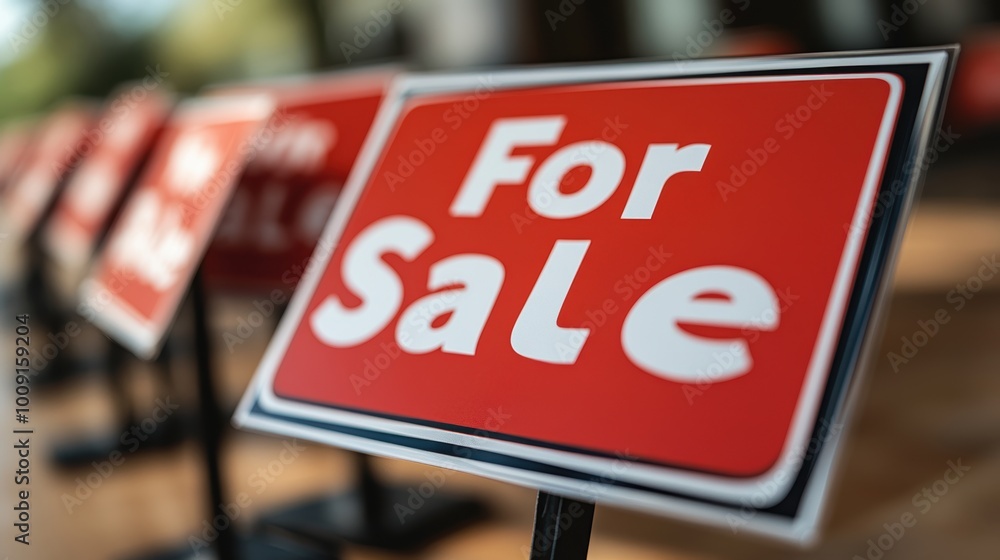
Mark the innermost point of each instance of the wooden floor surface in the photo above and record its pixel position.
(942, 407)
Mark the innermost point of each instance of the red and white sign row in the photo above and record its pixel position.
(49, 158)
(287, 194)
(156, 244)
(115, 147)
(631, 268)
(248, 170)
(616, 283)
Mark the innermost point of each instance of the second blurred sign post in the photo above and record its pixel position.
(115, 148)
(644, 284)
(266, 162)
(263, 246)
(152, 259)
(275, 217)
(135, 288)
(26, 202)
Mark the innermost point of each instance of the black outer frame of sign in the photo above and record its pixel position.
(884, 227)
(884, 230)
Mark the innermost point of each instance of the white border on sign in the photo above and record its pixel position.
(304, 89)
(697, 485)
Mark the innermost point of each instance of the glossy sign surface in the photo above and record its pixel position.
(157, 242)
(629, 290)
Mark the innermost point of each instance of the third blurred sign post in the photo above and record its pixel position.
(135, 288)
(642, 284)
(152, 261)
(288, 191)
(114, 150)
(263, 245)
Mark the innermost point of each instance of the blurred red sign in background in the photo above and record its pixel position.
(116, 148)
(288, 191)
(158, 240)
(52, 155)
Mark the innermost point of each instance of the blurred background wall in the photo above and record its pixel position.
(942, 405)
(54, 48)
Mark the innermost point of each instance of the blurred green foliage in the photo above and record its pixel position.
(80, 50)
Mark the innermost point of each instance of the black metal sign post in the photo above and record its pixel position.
(41, 297)
(227, 543)
(562, 528)
(75, 452)
(209, 418)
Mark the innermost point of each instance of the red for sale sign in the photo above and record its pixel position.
(633, 284)
(158, 240)
(116, 147)
(53, 154)
(288, 191)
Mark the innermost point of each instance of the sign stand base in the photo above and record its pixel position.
(78, 452)
(227, 544)
(248, 548)
(562, 528)
(374, 514)
(44, 309)
(208, 413)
